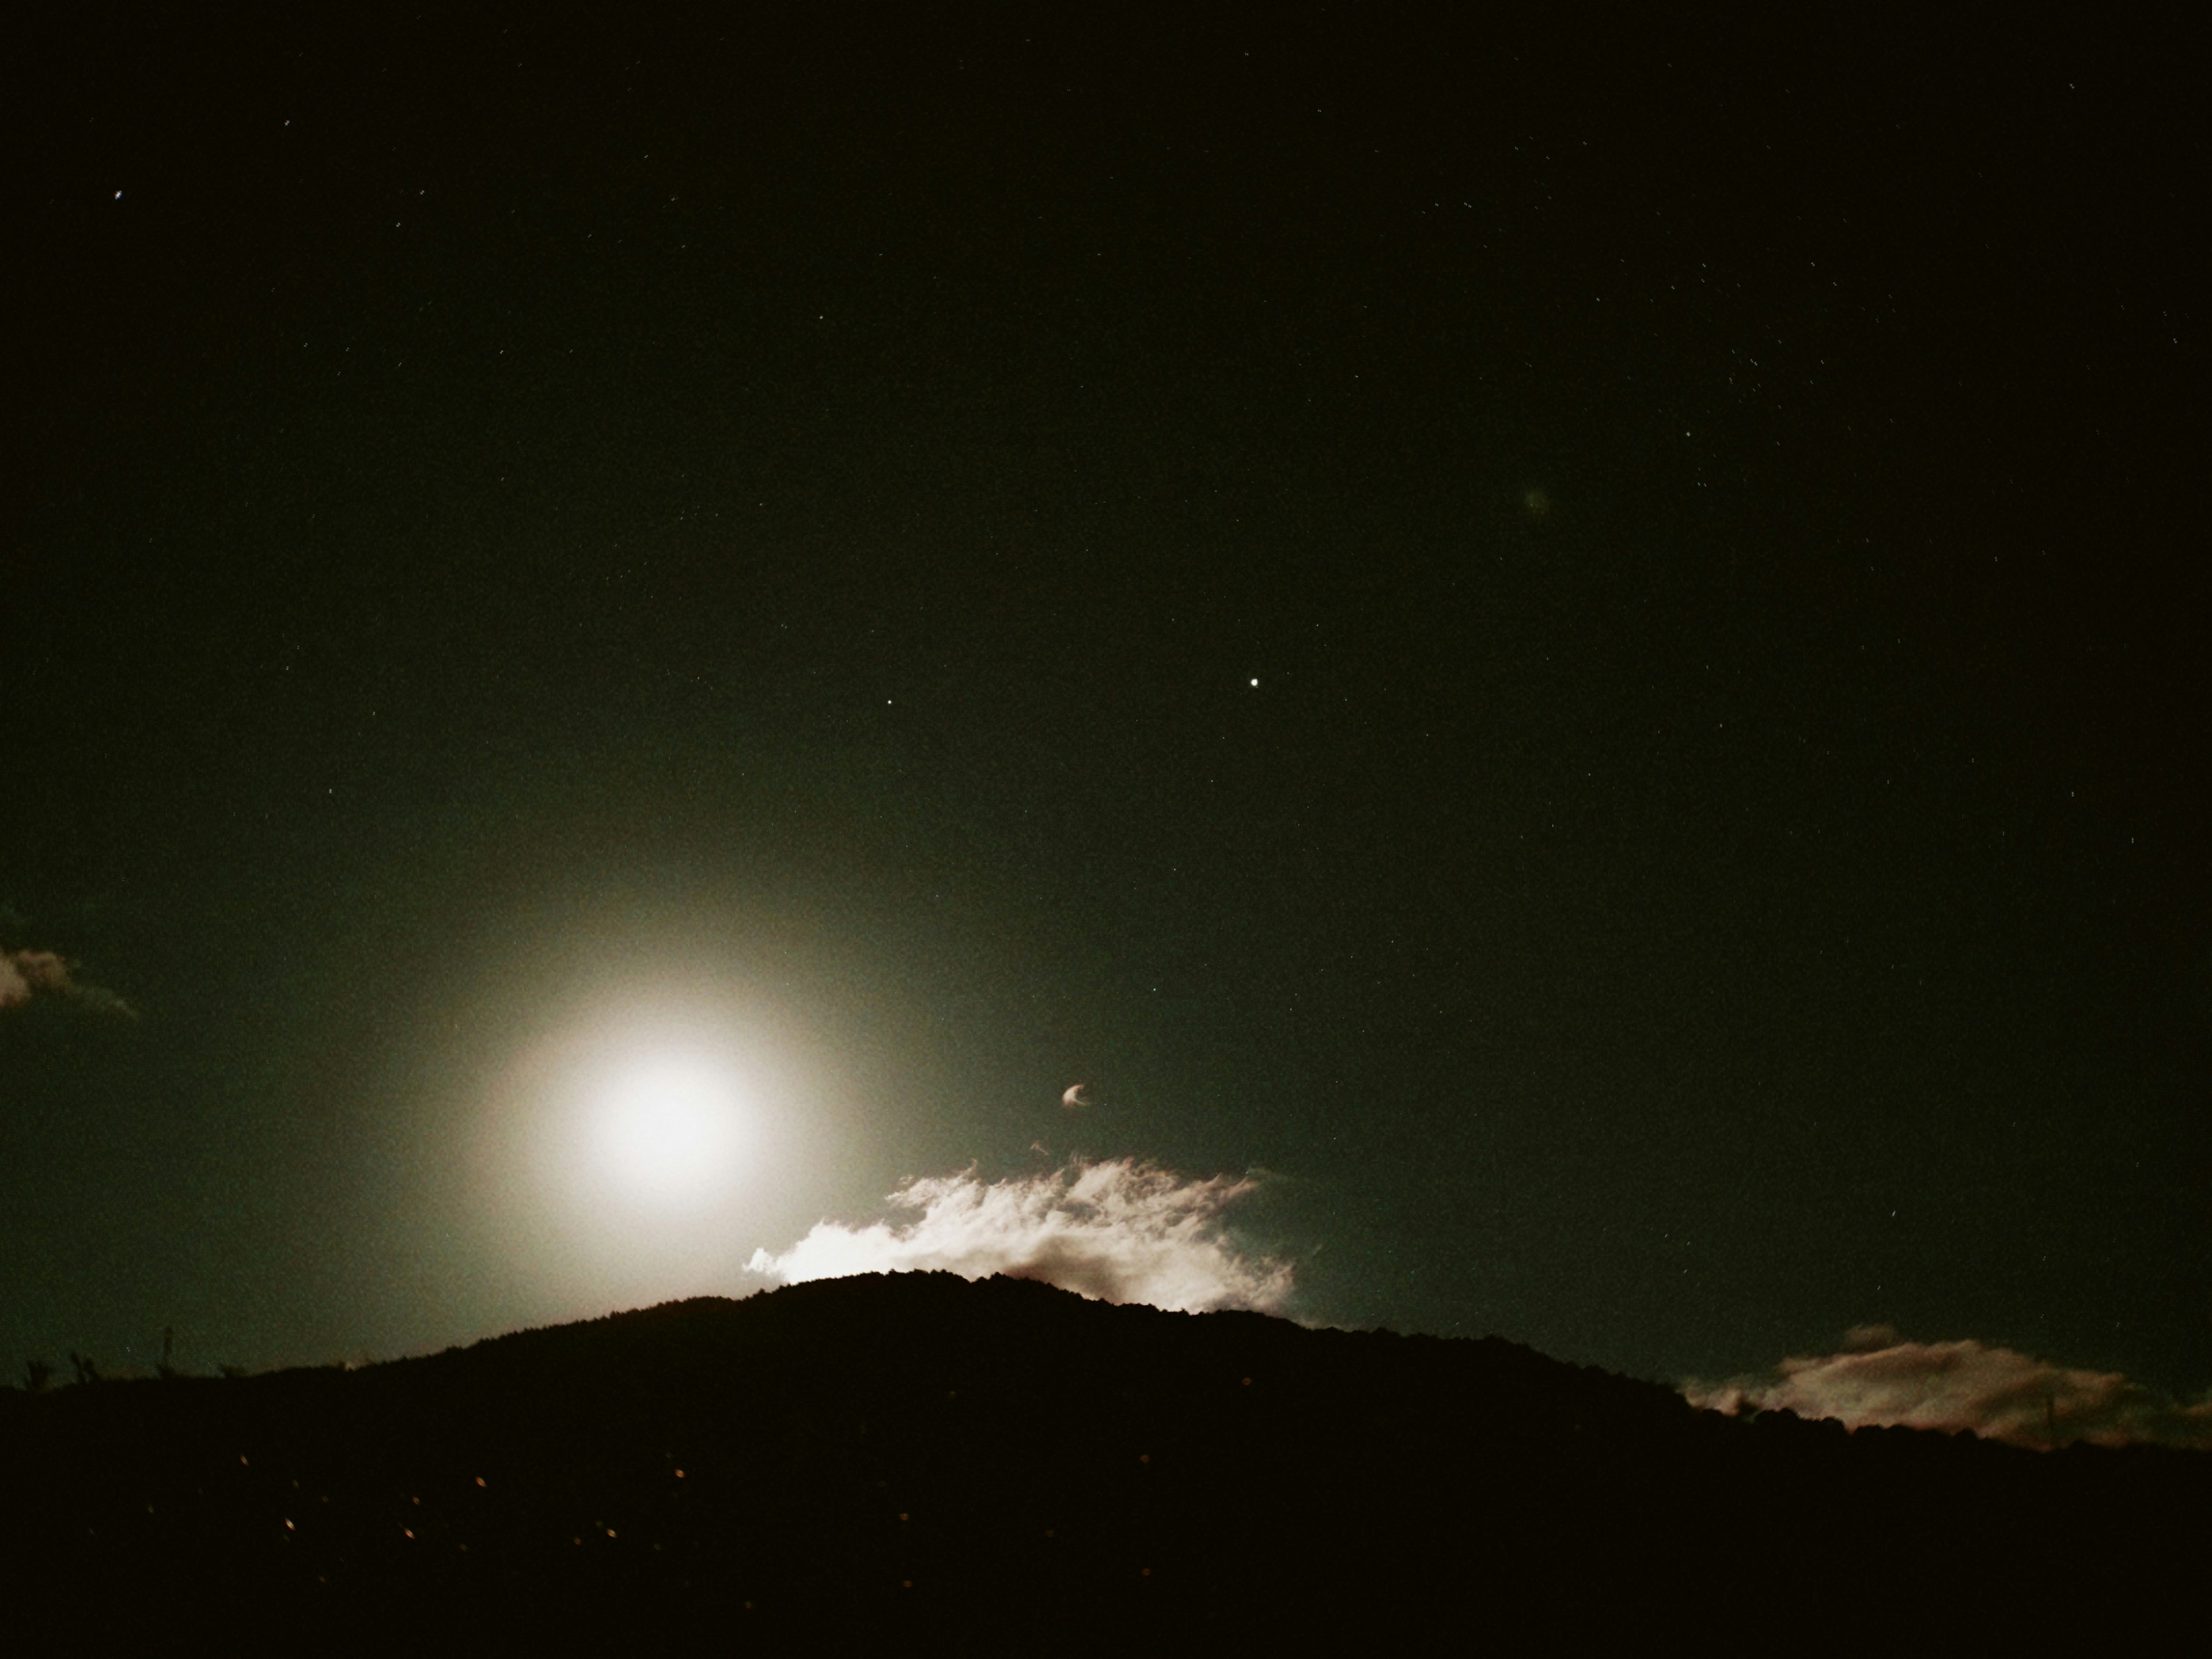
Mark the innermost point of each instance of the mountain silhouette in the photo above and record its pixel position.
(1001, 1466)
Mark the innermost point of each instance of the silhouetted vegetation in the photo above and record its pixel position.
(37, 1373)
(994, 1467)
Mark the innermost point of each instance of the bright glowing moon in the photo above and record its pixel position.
(669, 1130)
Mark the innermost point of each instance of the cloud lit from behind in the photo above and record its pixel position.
(1121, 1230)
(1880, 1379)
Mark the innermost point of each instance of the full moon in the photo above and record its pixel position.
(668, 1129)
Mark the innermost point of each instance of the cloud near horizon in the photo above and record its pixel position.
(26, 974)
(1879, 1379)
(1122, 1231)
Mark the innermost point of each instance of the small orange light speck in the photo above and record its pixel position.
(408, 1533)
(290, 1527)
(1148, 1573)
(905, 1583)
(679, 1474)
(480, 1480)
(1144, 1457)
(610, 1532)
(1248, 1381)
(901, 1514)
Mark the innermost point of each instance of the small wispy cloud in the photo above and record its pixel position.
(1120, 1230)
(1880, 1379)
(26, 974)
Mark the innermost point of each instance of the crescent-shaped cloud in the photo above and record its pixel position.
(1073, 1097)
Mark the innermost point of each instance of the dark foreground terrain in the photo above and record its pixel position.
(1002, 1466)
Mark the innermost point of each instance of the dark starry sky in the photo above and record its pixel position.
(781, 514)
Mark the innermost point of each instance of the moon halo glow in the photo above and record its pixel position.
(667, 1129)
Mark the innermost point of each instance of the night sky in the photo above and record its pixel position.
(1586, 654)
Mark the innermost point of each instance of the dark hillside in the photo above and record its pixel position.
(1002, 1466)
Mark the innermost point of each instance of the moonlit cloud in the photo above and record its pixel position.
(1120, 1230)
(1998, 1393)
(26, 974)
